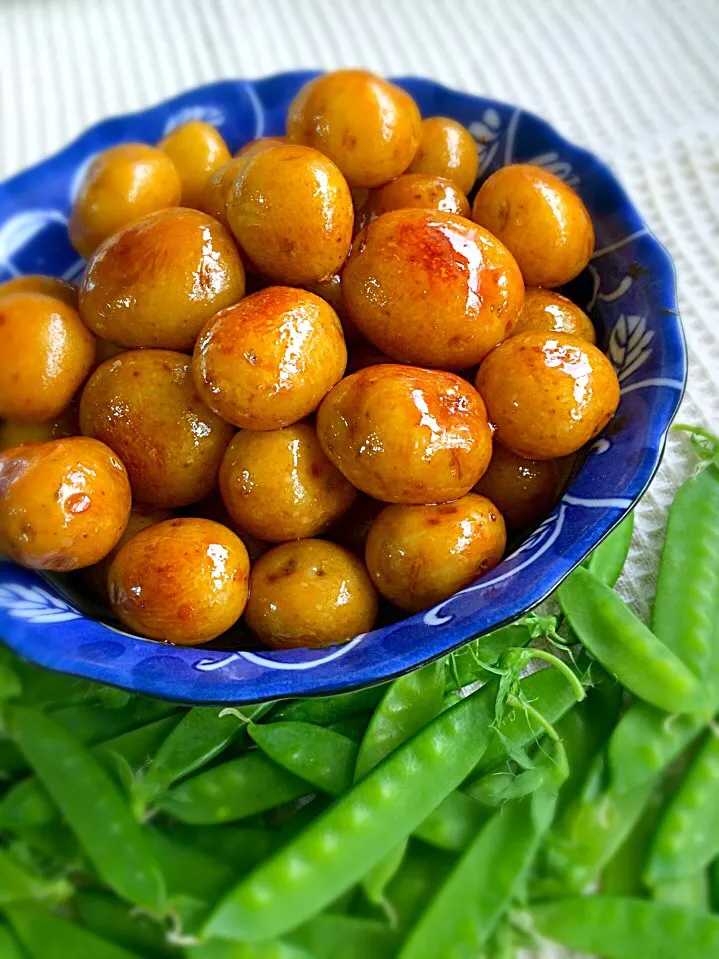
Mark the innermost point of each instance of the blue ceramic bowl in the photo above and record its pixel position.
(628, 288)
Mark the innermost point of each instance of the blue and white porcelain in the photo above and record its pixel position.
(628, 288)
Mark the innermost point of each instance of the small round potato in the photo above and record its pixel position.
(45, 353)
(249, 149)
(550, 312)
(431, 288)
(447, 149)
(144, 405)
(16, 432)
(140, 518)
(183, 581)
(121, 185)
(523, 490)
(418, 191)
(158, 281)
(197, 150)
(547, 394)
(268, 361)
(309, 593)
(63, 504)
(331, 292)
(540, 219)
(217, 189)
(369, 127)
(212, 507)
(279, 485)
(47, 285)
(418, 556)
(406, 435)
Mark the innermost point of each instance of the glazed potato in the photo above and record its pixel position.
(550, 312)
(291, 211)
(447, 149)
(212, 507)
(183, 581)
(418, 556)
(217, 189)
(406, 435)
(418, 191)
(158, 281)
(47, 285)
(540, 219)
(16, 432)
(279, 485)
(268, 361)
(249, 149)
(370, 128)
(331, 292)
(197, 150)
(309, 593)
(523, 490)
(547, 393)
(140, 518)
(431, 288)
(63, 504)
(121, 185)
(45, 353)
(144, 405)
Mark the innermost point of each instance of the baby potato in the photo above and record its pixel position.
(547, 394)
(291, 211)
(63, 504)
(540, 219)
(144, 405)
(197, 150)
(550, 312)
(279, 485)
(212, 507)
(140, 518)
(183, 581)
(268, 361)
(121, 185)
(418, 191)
(331, 292)
(406, 435)
(47, 285)
(418, 556)
(431, 288)
(46, 353)
(447, 149)
(309, 593)
(158, 281)
(16, 432)
(523, 490)
(369, 127)
(216, 191)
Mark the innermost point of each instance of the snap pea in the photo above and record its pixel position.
(692, 892)
(111, 919)
(497, 788)
(188, 871)
(323, 758)
(18, 884)
(9, 946)
(469, 664)
(246, 950)
(324, 710)
(10, 685)
(454, 823)
(607, 560)
(12, 762)
(238, 846)
(353, 728)
(47, 936)
(91, 725)
(376, 880)
(411, 889)
(349, 937)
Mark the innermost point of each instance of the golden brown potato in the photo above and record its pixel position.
(550, 312)
(45, 353)
(523, 490)
(16, 432)
(547, 394)
(63, 504)
(140, 518)
(540, 219)
(369, 127)
(144, 405)
(447, 149)
(331, 292)
(252, 147)
(406, 435)
(418, 191)
(279, 485)
(183, 581)
(122, 185)
(291, 211)
(268, 361)
(159, 280)
(197, 150)
(212, 507)
(418, 556)
(431, 288)
(217, 189)
(47, 285)
(309, 593)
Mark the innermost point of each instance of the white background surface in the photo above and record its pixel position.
(634, 80)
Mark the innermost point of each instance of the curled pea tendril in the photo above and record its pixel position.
(704, 443)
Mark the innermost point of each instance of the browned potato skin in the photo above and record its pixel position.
(447, 149)
(212, 507)
(217, 189)
(419, 556)
(291, 211)
(47, 285)
(46, 352)
(197, 150)
(63, 504)
(16, 432)
(369, 127)
(144, 405)
(418, 191)
(547, 394)
(183, 581)
(140, 518)
(158, 281)
(309, 593)
(303, 354)
(550, 312)
(252, 147)
(122, 185)
(406, 435)
(431, 288)
(331, 292)
(540, 219)
(523, 490)
(279, 485)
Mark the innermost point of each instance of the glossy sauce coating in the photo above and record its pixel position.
(550, 312)
(268, 361)
(309, 593)
(144, 405)
(16, 432)
(431, 288)
(447, 149)
(217, 189)
(63, 504)
(252, 147)
(183, 581)
(418, 556)
(547, 393)
(331, 292)
(140, 518)
(39, 283)
(406, 435)
(418, 191)
(523, 490)
(197, 150)
(158, 281)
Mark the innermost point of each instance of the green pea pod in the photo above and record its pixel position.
(9, 946)
(454, 823)
(245, 950)
(411, 889)
(497, 788)
(188, 871)
(353, 728)
(324, 710)
(12, 761)
(42, 687)
(46, 936)
(607, 560)
(110, 919)
(10, 685)
(91, 725)
(375, 882)
(323, 758)
(349, 937)
(692, 892)
(238, 846)
(17, 884)
(104, 826)
(469, 664)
